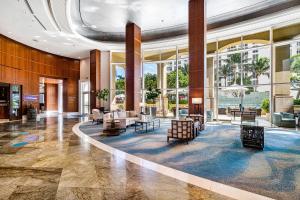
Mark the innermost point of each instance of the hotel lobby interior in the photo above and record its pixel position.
(147, 99)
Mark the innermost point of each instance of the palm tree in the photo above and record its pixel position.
(295, 79)
(225, 71)
(234, 61)
(260, 67)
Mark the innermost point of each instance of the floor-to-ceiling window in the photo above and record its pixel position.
(258, 72)
(165, 72)
(117, 85)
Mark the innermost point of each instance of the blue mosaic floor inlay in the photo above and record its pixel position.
(20, 144)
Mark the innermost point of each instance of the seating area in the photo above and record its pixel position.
(283, 119)
(126, 118)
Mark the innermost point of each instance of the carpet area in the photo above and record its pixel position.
(217, 154)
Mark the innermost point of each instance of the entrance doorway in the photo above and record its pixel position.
(10, 101)
(51, 95)
(84, 97)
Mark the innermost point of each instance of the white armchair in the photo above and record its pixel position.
(97, 116)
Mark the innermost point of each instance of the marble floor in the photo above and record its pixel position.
(46, 160)
(217, 155)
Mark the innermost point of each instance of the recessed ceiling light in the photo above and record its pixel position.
(9, 32)
(93, 26)
(44, 40)
(37, 36)
(68, 44)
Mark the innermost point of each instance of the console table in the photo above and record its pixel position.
(252, 136)
(235, 112)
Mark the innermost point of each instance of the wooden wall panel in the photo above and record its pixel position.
(197, 51)
(133, 67)
(21, 64)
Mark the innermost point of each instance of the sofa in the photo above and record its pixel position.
(126, 118)
(284, 119)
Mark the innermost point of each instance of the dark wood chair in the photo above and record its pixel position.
(181, 130)
(248, 117)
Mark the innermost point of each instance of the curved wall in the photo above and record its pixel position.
(24, 65)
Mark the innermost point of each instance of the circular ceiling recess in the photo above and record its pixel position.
(105, 20)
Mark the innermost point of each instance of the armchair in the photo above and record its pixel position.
(283, 119)
(181, 129)
(97, 116)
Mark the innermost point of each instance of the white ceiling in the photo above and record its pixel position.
(112, 15)
(61, 38)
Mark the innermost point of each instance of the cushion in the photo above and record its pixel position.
(122, 114)
(132, 114)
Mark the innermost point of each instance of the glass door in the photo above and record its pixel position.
(15, 102)
(85, 103)
(84, 97)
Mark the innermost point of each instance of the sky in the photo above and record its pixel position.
(148, 68)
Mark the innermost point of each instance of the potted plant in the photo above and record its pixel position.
(296, 105)
(151, 96)
(265, 106)
(102, 95)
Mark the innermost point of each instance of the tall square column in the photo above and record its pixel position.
(197, 52)
(95, 68)
(133, 67)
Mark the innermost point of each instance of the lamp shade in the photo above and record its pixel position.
(196, 100)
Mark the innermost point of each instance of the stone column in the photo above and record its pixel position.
(197, 51)
(133, 67)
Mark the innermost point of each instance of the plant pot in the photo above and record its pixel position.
(268, 116)
(31, 114)
(153, 111)
(296, 108)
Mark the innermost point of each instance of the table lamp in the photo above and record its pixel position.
(196, 102)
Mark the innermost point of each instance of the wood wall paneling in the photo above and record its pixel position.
(21, 64)
(197, 53)
(133, 67)
(95, 68)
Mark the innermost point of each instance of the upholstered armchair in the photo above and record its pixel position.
(97, 116)
(283, 119)
(181, 129)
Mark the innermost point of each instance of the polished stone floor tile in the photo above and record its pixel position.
(57, 164)
(34, 193)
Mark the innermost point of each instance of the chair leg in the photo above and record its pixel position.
(168, 139)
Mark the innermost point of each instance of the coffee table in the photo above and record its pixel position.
(114, 129)
(146, 124)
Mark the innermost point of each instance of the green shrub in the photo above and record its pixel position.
(183, 101)
(266, 105)
(296, 101)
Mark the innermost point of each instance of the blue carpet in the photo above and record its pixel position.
(217, 154)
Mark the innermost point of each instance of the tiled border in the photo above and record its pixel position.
(167, 171)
